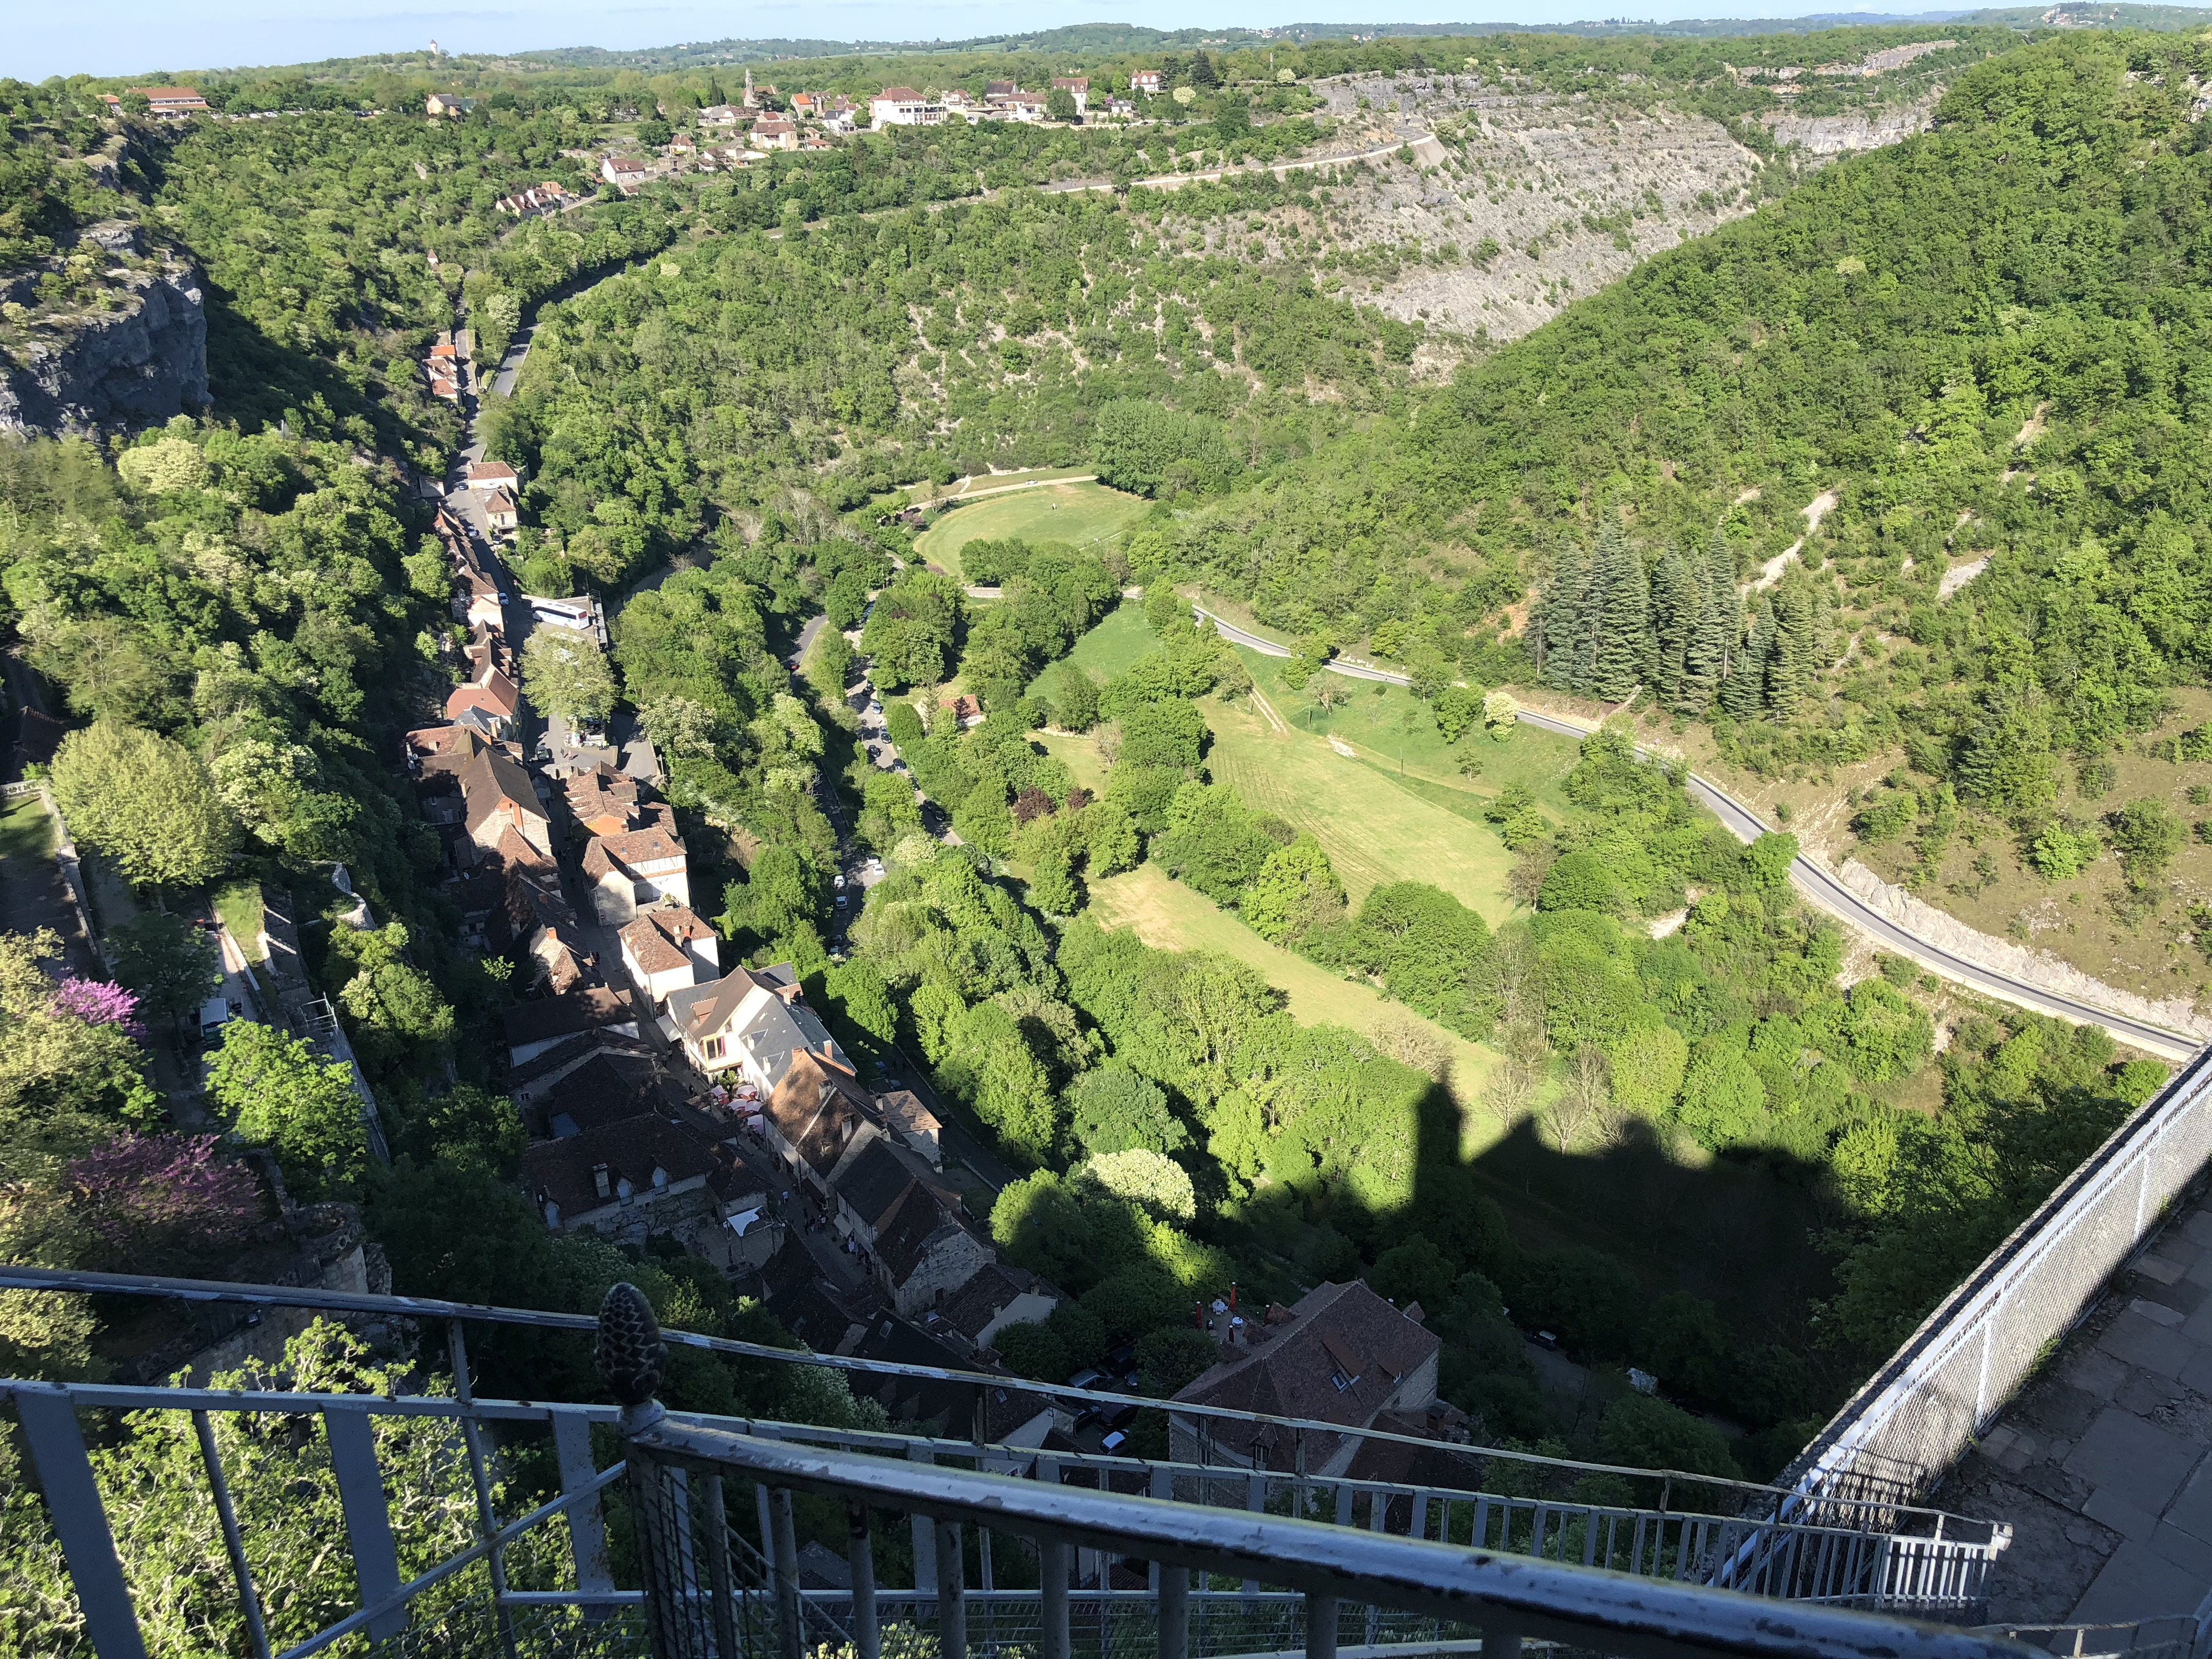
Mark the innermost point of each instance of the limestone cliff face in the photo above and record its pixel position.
(1830, 136)
(141, 361)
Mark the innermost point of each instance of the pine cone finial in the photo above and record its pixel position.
(630, 1353)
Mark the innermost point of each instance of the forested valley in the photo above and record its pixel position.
(1899, 470)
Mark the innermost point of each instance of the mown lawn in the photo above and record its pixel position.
(1389, 724)
(1080, 514)
(1166, 915)
(1373, 830)
(1119, 638)
(26, 831)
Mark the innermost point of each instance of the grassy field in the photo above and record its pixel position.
(1166, 915)
(26, 831)
(1120, 638)
(1076, 514)
(1375, 829)
(1389, 723)
(1081, 755)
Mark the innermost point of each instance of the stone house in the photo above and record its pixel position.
(669, 948)
(1342, 1354)
(635, 869)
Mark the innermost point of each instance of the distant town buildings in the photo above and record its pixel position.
(903, 107)
(172, 103)
(548, 198)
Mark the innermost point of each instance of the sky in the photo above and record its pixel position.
(40, 38)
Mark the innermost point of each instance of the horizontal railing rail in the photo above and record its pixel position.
(1877, 1513)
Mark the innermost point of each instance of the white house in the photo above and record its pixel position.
(750, 1021)
(492, 475)
(1146, 81)
(669, 948)
(638, 868)
(1077, 87)
(903, 107)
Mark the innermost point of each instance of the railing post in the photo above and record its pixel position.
(791, 1639)
(458, 1350)
(925, 1535)
(951, 1593)
(1174, 1612)
(859, 1551)
(367, 1515)
(1053, 1560)
(1320, 1627)
(233, 1543)
(631, 1355)
(587, 1531)
(718, 1565)
(79, 1521)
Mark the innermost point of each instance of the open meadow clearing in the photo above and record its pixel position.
(1165, 914)
(1078, 513)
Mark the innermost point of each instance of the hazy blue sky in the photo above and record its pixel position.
(129, 37)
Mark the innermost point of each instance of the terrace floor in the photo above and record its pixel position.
(2101, 1463)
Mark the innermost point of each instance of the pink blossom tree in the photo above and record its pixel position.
(98, 1002)
(163, 1200)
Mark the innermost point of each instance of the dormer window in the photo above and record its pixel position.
(1338, 1377)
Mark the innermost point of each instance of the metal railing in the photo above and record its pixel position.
(1878, 1513)
(1946, 1385)
(584, 1609)
(1426, 1595)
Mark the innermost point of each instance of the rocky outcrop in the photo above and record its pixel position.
(141, 361)
(1828, 136)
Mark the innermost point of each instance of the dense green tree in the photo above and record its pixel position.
(276, 1092)
(1114, 1110)
(172, 966)
(566, 674)
(146, 802)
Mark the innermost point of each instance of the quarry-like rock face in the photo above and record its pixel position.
(1533, 199)
(1830, 136)
(143, 361)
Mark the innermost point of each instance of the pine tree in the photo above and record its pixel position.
(1675, 608)
(1743, 693)
(1559, 621)
(1713, 638)
(1622, 605)
(1797, 646)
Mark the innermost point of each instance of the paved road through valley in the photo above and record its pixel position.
(1821, 885)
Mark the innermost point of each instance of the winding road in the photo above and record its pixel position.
(1820, 884)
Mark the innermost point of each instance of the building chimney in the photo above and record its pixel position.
(601, 1180)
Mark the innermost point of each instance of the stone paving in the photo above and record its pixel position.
(2100, 1464)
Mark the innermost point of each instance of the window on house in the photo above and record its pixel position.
(714, 1046)
(1337, 1375)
